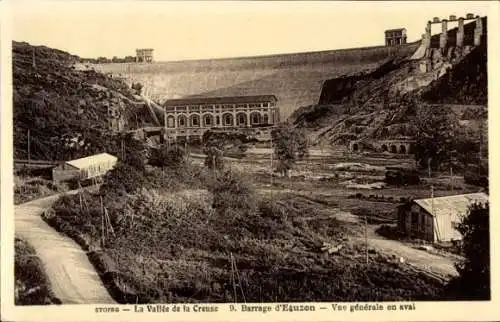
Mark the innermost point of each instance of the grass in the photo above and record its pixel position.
(30, 188)
(171, 246)
(31, 284)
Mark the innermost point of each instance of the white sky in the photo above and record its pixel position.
(192, 30)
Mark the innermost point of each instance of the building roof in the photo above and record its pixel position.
(221, 100)
(90, 160)
(458, 203)
(397, 29)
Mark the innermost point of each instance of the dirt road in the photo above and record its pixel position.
(437, 264)
(72, 277)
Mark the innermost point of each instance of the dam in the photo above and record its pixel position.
(295, 79)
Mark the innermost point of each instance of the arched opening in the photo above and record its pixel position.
(208, 120)
(355, 147)
(402, 149)
(384, 148)
(195, 120)
(394, 149)
(241, 119)
(170, 121)
(182, 121)
(255, 118)
(228, 119)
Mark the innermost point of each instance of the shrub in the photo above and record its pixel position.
(402, 177)
(473, 283)
(168, 156)
(215, 157)
(473, 177)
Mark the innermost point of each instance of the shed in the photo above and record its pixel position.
(436, 219)
(85, 168)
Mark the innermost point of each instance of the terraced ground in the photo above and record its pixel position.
(296, 79)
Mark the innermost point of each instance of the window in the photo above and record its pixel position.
(182, 121)
(195, 121)
(208, 120)
(241, 119)
(218, 120)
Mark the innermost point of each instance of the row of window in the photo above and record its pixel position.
(223, 106)
(208, 120)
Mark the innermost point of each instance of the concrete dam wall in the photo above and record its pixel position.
(295, 79)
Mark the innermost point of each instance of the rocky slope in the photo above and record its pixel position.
(382, 103)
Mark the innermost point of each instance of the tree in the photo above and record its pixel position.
(215, 157)
(435, 136)
(473, 282)
(168, 156)
(137, 87)
(290, 144)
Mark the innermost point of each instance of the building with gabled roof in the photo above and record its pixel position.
(84, 168)
(436, 219)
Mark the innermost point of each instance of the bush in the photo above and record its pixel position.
(168, 156)
(31, 284)
(215, 157)
(474, 281)
(474, 178)
(402, 177)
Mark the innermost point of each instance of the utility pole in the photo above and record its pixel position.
(366, 241)
(429, 166)
(451, 177)
(29, 151)
(480, 146)
(34, 60)
(272, 152)
(123, 149)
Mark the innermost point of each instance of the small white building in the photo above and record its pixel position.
(436, 219)
(85, 168)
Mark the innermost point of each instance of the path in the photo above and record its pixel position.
(437, 264)
(72, 277)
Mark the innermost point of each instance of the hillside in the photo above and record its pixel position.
(68, 112)
(380, 103)
(296, 79)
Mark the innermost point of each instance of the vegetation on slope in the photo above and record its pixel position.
(474, 281)
(32, 286)
(170, 241)
(466, 83)
(65, 110)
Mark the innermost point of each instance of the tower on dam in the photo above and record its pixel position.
(446, 46)
(461, 38)
(144, 55)
(395, 37)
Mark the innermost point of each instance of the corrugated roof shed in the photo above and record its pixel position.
(93, 159)
(457, 204)
(221, 100)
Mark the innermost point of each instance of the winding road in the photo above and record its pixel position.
(72, 277)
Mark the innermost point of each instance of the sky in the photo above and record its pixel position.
(197, 30)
